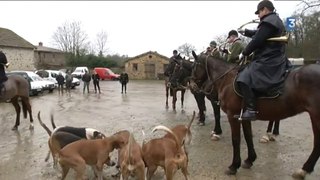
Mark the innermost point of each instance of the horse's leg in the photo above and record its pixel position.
(27, 108)
(276, 128)
(201, 106)
(247, 132)
(174, 99)
(16, 105)
(183, 91)
(270, 125)
(167, 94)
(215, 135)
(235, 132)
(308, 166)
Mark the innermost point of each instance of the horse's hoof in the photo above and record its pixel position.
(31, 127)
(14, 128)
(264, 139)
(214, 136)
(299, 174)
(230, 171)
(246, 165)
(272, 138)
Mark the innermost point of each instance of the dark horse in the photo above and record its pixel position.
(300, 94)
(15, 88)
(181, 75)
(173, 90)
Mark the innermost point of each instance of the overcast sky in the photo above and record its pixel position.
(134, 27)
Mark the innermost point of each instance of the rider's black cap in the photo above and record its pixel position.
(264, 3)
(233, 32)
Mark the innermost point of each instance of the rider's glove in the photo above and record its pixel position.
(241, 56)
(241, 31)
(225, 51)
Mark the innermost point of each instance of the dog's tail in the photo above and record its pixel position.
(164, 128)
(44, 125)
(189, 125)
(52, 121)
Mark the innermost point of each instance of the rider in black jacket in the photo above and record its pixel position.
(268, 67)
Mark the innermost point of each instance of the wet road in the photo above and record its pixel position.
(22, 153)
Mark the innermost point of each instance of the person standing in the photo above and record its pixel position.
(96, 79)
(60, 80)
(86, 78)
(3, 63)
(124, 79)
(266, 71)
(69, 79)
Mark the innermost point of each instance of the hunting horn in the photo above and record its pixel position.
(6, 65)
(279, 39)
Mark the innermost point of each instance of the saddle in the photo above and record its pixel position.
(270, 94)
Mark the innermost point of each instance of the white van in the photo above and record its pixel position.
(79, 72)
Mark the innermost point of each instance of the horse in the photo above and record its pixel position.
(173, 90)
(181, 75)
(300, 94)
(15, 88)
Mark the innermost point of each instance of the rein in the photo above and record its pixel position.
(219, 77)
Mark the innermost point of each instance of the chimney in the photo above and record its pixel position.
(40, 44)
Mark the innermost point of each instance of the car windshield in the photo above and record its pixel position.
(109, 71)
(78, 70)
(36, 78)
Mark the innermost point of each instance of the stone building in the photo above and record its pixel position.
(19, 52)
(149, 65)
(48, 58)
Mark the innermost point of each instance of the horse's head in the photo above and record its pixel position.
(181, 72)
(199, 73)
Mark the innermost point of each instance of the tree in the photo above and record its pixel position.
(309, 5)
(101, 42)
(71, 38)
(186, 49)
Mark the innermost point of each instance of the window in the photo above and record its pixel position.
(165, 66)
(135, 67)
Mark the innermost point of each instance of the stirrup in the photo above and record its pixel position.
(239, 117)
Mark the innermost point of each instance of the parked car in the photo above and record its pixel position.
(79, 72)
(46, 85)
(35, 86)
(106, 73)
(51, 75)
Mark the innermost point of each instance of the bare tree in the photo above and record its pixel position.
(186, 49)
(71, 38)
(310, 5)
(101, 42)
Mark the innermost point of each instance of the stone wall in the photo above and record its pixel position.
(137, 68)
(19, 58)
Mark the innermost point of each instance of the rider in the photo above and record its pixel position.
(236, 47)
(3, 77)
(212, 50)
(268, 66)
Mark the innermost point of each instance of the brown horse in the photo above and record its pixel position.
(15, 88)
(300, 94)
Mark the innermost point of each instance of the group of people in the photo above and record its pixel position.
(86, 78)
(268, 65)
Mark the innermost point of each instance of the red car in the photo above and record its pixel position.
(106, 73)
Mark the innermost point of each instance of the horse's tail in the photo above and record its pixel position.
(24, 107)
(44, 125)
(52, 121)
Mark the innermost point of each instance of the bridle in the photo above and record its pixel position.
(211, 81)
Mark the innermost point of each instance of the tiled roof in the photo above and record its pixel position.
(11, 39)
(47, 49)
(149, 52)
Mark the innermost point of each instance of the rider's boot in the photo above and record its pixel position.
(250, 110)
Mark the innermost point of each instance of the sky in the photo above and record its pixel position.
(134, 27)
